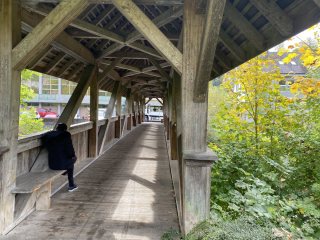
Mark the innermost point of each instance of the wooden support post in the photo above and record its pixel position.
(118, 112)
(133, 105)
(104, 128)
(129, 109)
(43, 197)
(139, 111)
(9, 109)
(77, 96)
(209, 42)
(142, 108)
(196, 158)
(93, 133)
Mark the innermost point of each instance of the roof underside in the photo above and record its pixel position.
(134, 69)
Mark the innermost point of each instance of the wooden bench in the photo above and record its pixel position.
(33, 181)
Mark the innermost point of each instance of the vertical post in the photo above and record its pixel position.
(139, 110)
(10, 81)
(77, 96)
(129, 109)
(104, 128)
(118, 112)
(142, 101)
(134, 120)
(197, 160)
(93, 133)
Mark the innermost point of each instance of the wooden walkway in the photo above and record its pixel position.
(125, 194)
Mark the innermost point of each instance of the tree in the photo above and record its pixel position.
(28, 122)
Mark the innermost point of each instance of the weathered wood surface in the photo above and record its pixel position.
(46, 31)
(9, 108)
(94, 102)
(3, 150)
(30, 182)
(77, 96)
(279, 19)
(125, 194)
(209, 43)
(150, 31)
(195, 190)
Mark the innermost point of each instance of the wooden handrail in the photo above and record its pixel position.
(3, 149)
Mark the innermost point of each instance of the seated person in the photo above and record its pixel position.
(61, 153)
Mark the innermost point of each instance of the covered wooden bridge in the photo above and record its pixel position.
(141, 49)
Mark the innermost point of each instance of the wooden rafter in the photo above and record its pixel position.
(147, 69)
(249, 31)
(148, 29)
(235, 50)
(143, 2)
(57, 59)
(159, 21)
(163, 73)
(107, 70)
(279, 18)
(102, 32)
(317, 2)
(48, 29)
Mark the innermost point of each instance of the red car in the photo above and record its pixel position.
(46, 113)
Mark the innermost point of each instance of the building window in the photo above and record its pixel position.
(50, 85)
(67, 87)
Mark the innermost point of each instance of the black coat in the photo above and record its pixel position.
(61, 154)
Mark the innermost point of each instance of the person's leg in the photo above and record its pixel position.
(70, 177)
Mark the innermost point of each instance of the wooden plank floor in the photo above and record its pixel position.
(125, 194)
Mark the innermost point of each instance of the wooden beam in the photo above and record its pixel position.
(208, 46)
(63, 41)
(161, 20)
(159, 101)
(107, 70)
(102, 32)
(163, 73)
(96, 30)
(77, 96)
(47, 30)
(131, 68)
(317, 2)
(148, 101)
(146, 69)
(129, 55)
(104, 128)
(142, 2)
(54, 62)
(65, 67)
(148, 29)
(94, 101)
(195, 171)
(37, 60)
(249, 31)
(275, 15)
(10, 81)
(235, 49)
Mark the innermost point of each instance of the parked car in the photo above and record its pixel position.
(46, 113)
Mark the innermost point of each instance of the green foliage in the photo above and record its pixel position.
(26, 94)
(242, 228)
(268, 148)
(28, 122)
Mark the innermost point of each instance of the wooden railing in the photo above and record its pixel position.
(35, 182)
